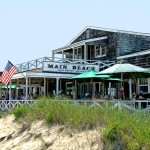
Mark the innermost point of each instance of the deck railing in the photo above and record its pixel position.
(11, 104)
(135, 105)
(37, 63)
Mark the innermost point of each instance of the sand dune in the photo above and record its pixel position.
(38, 136)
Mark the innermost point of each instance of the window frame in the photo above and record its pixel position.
(144, 82)
(100, 49)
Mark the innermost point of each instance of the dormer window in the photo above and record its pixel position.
(100, 51)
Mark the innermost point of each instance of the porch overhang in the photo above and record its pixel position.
(43, 75)
(60, 50)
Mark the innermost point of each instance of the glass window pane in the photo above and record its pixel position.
(144, 88)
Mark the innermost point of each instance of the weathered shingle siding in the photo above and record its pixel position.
(131, 43)
(112, 46)
(142, 60)
(119, 44)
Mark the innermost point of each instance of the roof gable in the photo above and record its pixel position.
(89, 32)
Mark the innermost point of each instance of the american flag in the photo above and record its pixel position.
(8, 72)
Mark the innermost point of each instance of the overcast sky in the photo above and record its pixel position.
(30, 29)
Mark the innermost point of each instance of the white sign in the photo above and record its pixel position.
(68, 67)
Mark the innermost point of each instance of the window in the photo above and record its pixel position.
(143, 84)
(104, 51)
(78, 53)
(100, 51)
(143, 81)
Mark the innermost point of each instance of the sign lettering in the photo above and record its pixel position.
(68, 67)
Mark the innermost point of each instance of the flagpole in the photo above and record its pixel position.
(10, 90)
(7, 96)
(10, 98)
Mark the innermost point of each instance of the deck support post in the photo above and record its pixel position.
(26, 97)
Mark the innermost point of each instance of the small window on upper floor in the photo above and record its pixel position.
(100, 51)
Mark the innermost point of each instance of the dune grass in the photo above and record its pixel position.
(57, 112)
(130, 129)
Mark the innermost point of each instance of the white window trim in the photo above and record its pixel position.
(101, 48)
(148, 85)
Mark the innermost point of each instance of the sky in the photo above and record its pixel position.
(31, 29)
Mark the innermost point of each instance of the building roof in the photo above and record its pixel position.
(109, 30)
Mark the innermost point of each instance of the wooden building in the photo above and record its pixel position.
(92, 49)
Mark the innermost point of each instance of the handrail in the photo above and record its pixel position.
(11, 104)
(130, 104)
(37, 63)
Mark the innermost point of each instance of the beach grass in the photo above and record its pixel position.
(130, 130)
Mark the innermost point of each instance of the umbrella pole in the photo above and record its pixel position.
(91, 88)
(103, 89)
(134, 85)
(122, 86)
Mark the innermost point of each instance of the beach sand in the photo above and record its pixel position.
(38, 136)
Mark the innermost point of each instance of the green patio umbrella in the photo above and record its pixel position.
(113, 79)
(90, 74)
(5, 87)
(93, 75)
(126, 71)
